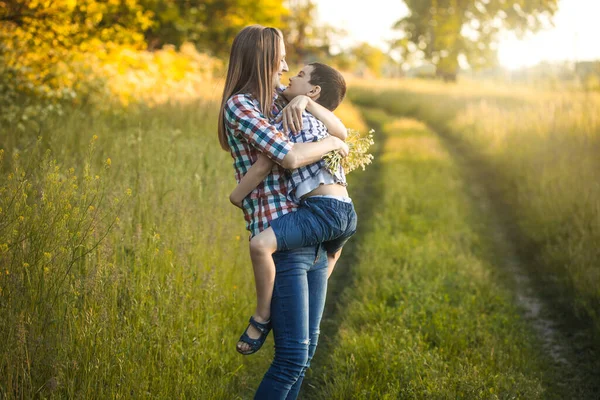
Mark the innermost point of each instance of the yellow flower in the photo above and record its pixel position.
(95, 137)
(25, 265)
(237, 237)
(91, 208)
(129, 192)
(47, 255)
(21, 218)
(108, 162)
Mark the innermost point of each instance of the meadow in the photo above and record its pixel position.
(125, 270)
(538, 150)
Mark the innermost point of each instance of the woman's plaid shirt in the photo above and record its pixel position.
(250, 133)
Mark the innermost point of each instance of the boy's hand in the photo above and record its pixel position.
(291, 115)
(342, 147)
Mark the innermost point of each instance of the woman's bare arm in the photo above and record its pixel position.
(255, 175)
(303, 154)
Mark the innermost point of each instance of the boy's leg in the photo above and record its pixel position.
(262, 247)
(334, 247)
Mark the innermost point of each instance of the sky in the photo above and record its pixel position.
(574, 37)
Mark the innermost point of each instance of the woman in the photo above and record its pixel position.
(256, 64)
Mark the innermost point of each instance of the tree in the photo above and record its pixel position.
(444, 30)
(371, 57)
(41, 42)
(306, 39)
(36, 36)
(210, 24)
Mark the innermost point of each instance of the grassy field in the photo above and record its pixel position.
(169, 288)
(128, 275)
(423, 312)
(539, 151)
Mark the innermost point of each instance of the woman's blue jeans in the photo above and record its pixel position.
(296, 311)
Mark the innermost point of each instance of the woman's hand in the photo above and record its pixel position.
(291, 115)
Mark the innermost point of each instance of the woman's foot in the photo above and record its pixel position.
(254, 336)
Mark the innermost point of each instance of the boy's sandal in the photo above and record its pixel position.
(255, 344)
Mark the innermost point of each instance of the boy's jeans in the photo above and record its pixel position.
(319, 219)
(296, 310)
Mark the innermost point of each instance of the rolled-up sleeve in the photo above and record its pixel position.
(243, 116)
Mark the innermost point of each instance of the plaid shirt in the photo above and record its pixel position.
(249, 134)
(313, 130)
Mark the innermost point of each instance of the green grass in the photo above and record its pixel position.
(540, 154)
(156, 309)
(425, 312)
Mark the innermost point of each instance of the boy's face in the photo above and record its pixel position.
(299, 84)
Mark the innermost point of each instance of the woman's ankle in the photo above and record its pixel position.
(262, 317)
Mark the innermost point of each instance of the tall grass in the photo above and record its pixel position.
(540, 153)
(155, 309)
(144, 297)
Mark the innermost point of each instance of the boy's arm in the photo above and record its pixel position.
(255, 175)
(334, 125)
(243, 115)
(292, 113)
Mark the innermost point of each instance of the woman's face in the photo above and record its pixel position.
(283, 67)
(300, 83)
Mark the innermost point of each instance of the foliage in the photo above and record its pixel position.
(154, 292)
(43, 45)
(210, 24)
(53, 223)
(442, 30)
(540, 150)
(358, 157)
(307, 40)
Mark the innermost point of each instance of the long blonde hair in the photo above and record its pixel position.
(254, 59)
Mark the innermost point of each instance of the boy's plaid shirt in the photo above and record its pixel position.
(249, 134)
(313, 130)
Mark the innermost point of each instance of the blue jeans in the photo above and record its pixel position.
(296, 311)
(318, 220)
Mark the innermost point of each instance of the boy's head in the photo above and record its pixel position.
(320, 82)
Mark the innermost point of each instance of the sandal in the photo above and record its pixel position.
(255, 344)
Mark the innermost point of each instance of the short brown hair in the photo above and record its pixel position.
(333, 85)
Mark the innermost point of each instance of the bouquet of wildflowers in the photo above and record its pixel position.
(358, 155)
